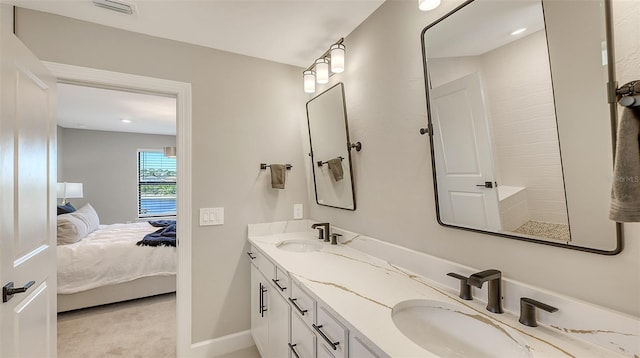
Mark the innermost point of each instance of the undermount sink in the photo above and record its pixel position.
(299, 245)
(456, 331)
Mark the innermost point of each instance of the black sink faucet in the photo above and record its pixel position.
(494, 277)
(324, 230)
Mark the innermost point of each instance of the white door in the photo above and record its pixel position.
(27, 199)
(463, 157)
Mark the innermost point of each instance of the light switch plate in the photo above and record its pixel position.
(298, 211)
(211, 216)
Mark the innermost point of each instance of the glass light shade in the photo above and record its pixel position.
(322, 70)
(309, 78)
(426, 5)
(337, 58)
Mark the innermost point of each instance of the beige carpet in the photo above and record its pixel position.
(133, 329)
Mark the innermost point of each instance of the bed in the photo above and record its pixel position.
(105, 265)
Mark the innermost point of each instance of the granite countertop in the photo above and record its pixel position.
(362, 291)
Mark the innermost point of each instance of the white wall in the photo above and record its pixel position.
(385, 99)
(106, 163)
(245, 111)
(523, 123)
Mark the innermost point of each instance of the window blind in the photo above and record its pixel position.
(156, 184)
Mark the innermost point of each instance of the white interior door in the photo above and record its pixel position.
(27, 197)
(463, 156)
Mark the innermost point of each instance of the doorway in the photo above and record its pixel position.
(182, 93)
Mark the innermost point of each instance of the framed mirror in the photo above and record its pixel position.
(519, 121)
(330, 149)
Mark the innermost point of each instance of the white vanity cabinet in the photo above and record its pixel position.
(269, 310)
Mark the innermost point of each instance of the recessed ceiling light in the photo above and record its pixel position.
(519, 31)
(125, 120)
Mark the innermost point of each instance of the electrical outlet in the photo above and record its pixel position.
(298, 211)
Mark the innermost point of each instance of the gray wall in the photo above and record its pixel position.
(245, 111)
(386, 105)
(106, 163)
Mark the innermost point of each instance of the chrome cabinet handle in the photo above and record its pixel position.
(263, 289)
(333, 345)
(293, 302)
(293, 350)
(8, 290)
(278, 285)
(251, 255)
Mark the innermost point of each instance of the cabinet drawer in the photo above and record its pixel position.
(324, 352)
(302, 304)
(282, 282)
(262, 263)
(331, 333)
(303, 341)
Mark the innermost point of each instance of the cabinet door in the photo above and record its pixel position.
(259, 323)
(303, 340)
(278, 324)
(359, 349)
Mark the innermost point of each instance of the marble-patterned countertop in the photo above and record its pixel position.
(362, 290)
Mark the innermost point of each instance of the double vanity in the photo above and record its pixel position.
(366, 298)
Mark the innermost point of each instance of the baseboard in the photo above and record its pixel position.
(222, 345)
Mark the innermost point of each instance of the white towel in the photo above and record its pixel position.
(625, 192)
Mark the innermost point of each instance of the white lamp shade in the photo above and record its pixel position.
(322, 70)
(69, 190)
(337, 58)
(426, 5)
(309, 78)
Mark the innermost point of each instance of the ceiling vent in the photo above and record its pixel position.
(118, 6)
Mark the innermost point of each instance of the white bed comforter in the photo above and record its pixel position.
(109, 256)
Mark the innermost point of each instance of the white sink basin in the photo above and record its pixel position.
(456, 331)
(299, 245)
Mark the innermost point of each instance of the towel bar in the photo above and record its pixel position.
(264, 166)
(321, 163)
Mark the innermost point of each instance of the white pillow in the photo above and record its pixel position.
(74, 226)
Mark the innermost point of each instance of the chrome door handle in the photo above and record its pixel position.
(8, 290)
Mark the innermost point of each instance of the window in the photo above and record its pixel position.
(156, 184)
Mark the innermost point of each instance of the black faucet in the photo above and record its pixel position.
(494, 301)
(324, 230)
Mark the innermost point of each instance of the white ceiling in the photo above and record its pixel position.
(483, 26)
(102, 109)
(293, 32)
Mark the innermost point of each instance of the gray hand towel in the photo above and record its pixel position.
(278, 173)
(625, 194)
(335, 167)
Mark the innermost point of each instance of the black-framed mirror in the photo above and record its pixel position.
(330, 149)
(519, 121)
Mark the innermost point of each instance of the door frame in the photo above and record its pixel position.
(182, 91)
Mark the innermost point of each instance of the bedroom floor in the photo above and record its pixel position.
(140, 328)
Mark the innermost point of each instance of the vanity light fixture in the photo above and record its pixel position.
(322, 70)
(309, 81)
(337, 58)
(426, 5)
(331, 61)
(519, 31)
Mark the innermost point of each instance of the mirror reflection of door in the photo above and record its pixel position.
(464, 161)
(508, 73)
